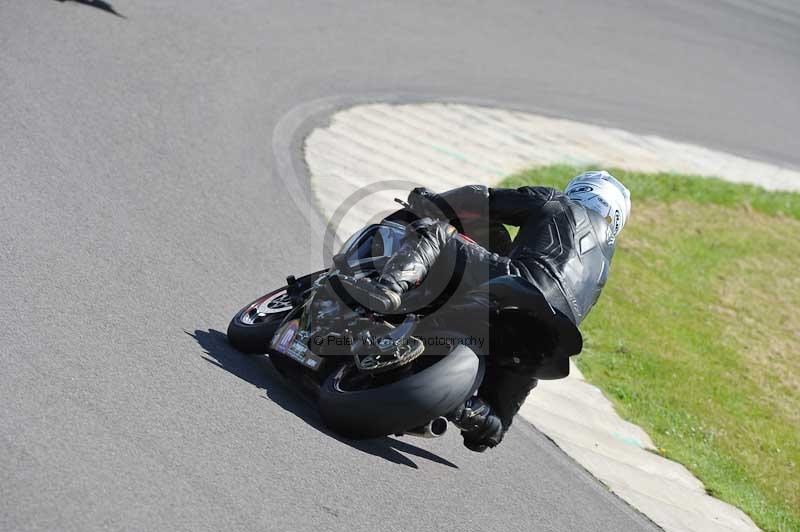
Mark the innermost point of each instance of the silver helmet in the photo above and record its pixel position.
(601, 192)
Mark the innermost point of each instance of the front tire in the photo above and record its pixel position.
(252, 328)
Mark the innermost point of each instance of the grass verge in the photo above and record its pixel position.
(697, 335)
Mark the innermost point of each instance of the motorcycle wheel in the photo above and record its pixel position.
(369, 412)
(251, 329)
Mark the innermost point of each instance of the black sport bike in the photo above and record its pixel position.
(373, 375)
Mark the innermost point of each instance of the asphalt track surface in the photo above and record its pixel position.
(142, 202)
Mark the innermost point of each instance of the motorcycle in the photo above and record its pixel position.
(373, 375)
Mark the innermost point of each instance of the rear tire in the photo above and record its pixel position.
(402, 405)
(252, 328)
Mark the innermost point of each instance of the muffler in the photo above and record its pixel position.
(433, 429)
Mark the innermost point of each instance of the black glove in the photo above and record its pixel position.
(426, 204)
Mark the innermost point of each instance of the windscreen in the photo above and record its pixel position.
(373, 243)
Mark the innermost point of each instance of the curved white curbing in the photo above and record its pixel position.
(442, 146)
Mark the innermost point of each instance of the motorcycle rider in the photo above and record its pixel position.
(560, 258)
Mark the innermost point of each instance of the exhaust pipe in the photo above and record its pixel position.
(433, 429)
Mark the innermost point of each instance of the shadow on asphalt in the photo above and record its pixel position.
(99, 4)
(258, 371)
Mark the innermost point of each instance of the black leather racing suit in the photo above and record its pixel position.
(562, 251)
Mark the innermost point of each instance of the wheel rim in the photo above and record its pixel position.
(266, 308)
(348, 379)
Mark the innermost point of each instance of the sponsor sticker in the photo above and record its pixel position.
(283, 338)
(580, 188)
(297, 350)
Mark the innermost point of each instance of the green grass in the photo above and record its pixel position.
(697, 335)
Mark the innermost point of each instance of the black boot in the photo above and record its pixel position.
(405, 270)
(483, 426)
(371, 295)
(480, 427)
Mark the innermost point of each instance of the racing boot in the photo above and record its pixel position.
(405, 269)
(372, 295)
(480, 427)
(485, 419)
